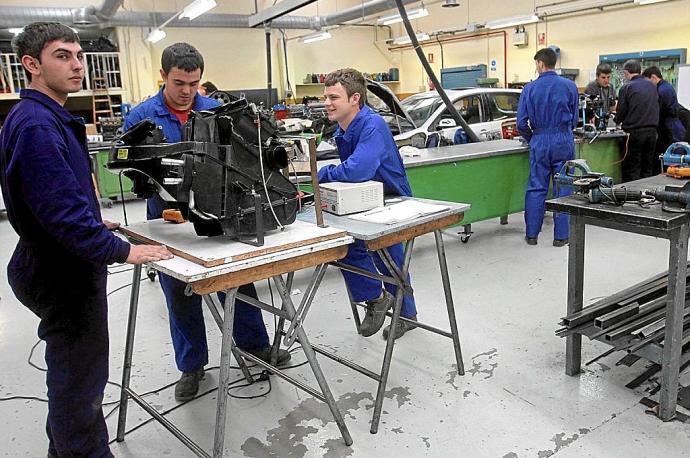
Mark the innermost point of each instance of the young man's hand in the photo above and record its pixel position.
(141, 254)
(111, 226)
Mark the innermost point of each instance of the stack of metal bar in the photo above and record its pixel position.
(632, 319)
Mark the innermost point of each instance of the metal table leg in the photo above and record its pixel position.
(129, 349)
(576, 275)
(390, 343)
(224, 377)
(311, 357)
(675, 302)
(440, 250)
(214, 306)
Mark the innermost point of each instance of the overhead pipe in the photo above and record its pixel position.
(13, 16)
(430, 72)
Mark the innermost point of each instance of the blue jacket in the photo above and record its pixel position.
(549, 104)
(367, 152)
(45, 173)
(668, 112)
(638, 104)
(157, 111)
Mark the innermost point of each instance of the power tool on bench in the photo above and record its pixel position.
(677, 159)
(598, 188)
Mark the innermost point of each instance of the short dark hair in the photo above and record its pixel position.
(547, 56)
(652, 71)
(352, 80)
(183, 56)
(603, 68)
(210, 87)
(632, 66)
(35, 36)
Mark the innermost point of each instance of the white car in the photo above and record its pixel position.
(422, 120)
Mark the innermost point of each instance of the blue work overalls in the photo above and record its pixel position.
(670, 126)
(58, 269)
(367, 152)
(549, 104)
(187, 327)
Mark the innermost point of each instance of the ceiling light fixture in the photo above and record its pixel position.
(197, 8)
(405, 39)
(648, 2)
(16, 30)
(394, 18)
(511, 21)
(155, 36)
(318, 36)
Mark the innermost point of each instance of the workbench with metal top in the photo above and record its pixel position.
(646, 220)
(377, 238)
(245, 264)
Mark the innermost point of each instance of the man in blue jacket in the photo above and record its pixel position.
(638, 112)
(547, 114)
(670, 127)
(181, 68)
(58, 269)
(367, 152)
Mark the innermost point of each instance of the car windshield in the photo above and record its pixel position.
(420, 107)
(397, 123)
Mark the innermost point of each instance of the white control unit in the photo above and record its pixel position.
(345, 198)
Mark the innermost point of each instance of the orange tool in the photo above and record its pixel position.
(678, 172)
(173, 215)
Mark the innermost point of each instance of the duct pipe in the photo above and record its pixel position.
(430, 72)
(13, 16)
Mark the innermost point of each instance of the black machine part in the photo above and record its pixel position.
(224, 177)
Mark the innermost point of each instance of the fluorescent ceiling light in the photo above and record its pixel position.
(648, 2)
(574, 6)
(16, 30)
(403, 40)
(318, 36)
(197, 8)
(155, 36)
(511, 21)
(394, 18)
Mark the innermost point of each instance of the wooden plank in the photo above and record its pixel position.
(182, 241)
(412, 232)
(242, 277)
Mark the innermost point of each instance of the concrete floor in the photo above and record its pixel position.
(514, 400)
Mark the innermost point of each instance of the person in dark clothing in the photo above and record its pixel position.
(638, 112)
(670, 127)
(181, 68)
(207, 88)
(547, 114)
(58, 269)
(601, 87)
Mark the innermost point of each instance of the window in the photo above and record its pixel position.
(469, 108)
(503, 106)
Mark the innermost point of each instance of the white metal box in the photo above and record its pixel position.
(345, 198)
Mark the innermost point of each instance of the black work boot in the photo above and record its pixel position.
(264, 354)
(376, 314)
(401, 329)
(188, 385)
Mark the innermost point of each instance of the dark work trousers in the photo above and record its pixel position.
(70, 300)
(365, 288)
(188, 330)
(639, 160)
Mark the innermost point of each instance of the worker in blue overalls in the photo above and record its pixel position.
(547, 115)
(367, 152)
(181, 69)
(58, 269)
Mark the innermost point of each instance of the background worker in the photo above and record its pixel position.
(670, 128)
(181, 69)
(547, 115)
(367, 152)
(638, 112)
(59, 268)
(601, 87)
